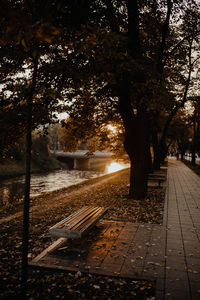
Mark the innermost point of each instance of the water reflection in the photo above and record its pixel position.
(58, 179)
(116, 166)
(12, 190)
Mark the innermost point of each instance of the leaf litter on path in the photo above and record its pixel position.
(52, 208)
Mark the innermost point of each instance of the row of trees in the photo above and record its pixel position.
(131, 62)
(126, 63)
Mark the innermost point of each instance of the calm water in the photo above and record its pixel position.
(12, 190)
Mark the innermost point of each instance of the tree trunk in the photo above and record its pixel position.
(136, 145)
(163, 152)
(160, 151)
(136, 142)
(139, 168)
(193, 158)
(24, 271)
(156, 151)
(182, 154)
(136, 138)
(141, 162)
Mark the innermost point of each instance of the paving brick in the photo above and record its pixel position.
(153, 273)
(159, 295)
(114, 258)
(194, 276)
(193, 262)
(176, 263)
(172, 293)
(195, 288)
(131, 270)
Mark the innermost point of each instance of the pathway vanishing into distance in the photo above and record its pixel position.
(168, 253)
(181, 237)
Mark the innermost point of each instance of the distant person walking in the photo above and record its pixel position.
(177, 155)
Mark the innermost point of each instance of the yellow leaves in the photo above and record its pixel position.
(47, 33)
(26, 34)
(144, 33)
(25, 45)
(48, 39)
(28, 61)
(9, 106)
(55, 31)
(23, 102)
(52, 94)
(40, 33)
(2, 42)
(87, 39)
(189, 271)
(139, 257)
(93, 43)
(91, 39)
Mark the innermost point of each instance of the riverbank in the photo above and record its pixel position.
(10, 168)
(108, 191)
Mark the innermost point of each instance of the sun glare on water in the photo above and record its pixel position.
(115, 166)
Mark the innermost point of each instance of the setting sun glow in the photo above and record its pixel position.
(115, 166)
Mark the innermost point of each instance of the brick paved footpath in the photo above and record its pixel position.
(182, 245)
(168, 253)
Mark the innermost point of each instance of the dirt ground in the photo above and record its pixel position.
(109, 191)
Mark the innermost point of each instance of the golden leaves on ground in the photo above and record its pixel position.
(109, 192)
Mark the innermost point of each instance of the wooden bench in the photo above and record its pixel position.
(157, 177)
(79, 223)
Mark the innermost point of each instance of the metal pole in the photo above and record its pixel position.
(25, 240)
(24, 273)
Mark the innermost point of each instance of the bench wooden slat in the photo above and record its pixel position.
(153, 175)
(96, 218)
(68, 222)
(81, 219)
(70, 234)
(69, 218)
(156, 178)
(72, 219)
(86, 219)
(77, 224)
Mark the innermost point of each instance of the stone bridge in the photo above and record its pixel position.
(79, 159)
